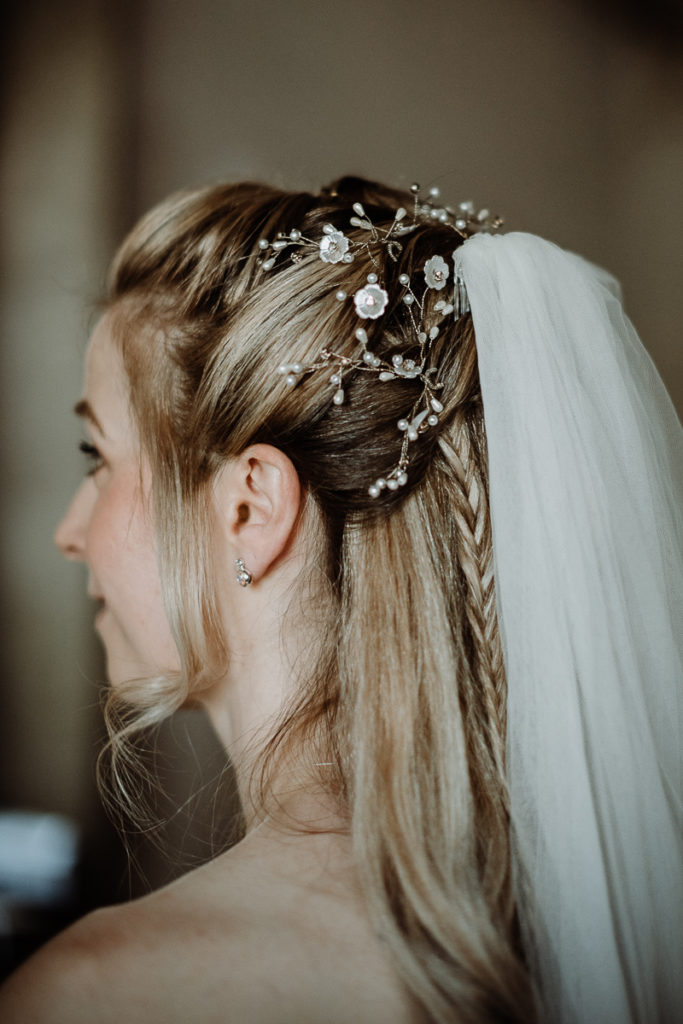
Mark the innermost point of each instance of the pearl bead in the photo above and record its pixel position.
(297, 368)
(432, 420)
(373, 491)
(402, 479)
(434, 192)
(277, 246)
(392, 484)
(338, 397)
(403, 424)
(443, 217)
(397, 359)
(263, 243)
(341, 295)
(328, 229)
(335, 379)
(404, 279)
(372, 278)
(358, 208)
(415, 188)
(268, 264)
(283, 368)
(290, 379)
(408, 299)
(412, 434)
(347, 258)
(295, 235)
(361, 335)
(436, 405)
(400, 213)
(369, 358)
(381, 483)
(461, 224)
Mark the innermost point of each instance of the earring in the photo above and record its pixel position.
(244, 577)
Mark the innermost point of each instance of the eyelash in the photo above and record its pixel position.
(93, 456)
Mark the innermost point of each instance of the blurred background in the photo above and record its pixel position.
(566, 116)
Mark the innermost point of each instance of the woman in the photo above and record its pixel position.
(461, 789)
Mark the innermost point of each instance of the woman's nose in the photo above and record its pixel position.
(71, 532)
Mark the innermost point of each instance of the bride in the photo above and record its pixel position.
(398, 499)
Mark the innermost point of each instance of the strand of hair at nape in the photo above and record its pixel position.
(132, 711)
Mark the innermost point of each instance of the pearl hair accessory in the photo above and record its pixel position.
(244, 577)
(371, 302)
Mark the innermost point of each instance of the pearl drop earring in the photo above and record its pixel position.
(244, 577)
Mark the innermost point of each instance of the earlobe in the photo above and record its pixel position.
(258, 495)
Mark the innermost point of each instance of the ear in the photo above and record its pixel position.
(258, 496)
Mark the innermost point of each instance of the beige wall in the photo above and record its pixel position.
(533, 108)
(571, 128)
(56, 230)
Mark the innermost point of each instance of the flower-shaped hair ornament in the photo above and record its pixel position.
(370, 301)
(333, 245)
(436, 272)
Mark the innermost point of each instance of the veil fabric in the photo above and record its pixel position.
(586, 492)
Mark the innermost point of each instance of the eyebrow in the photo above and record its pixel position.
(84, 409)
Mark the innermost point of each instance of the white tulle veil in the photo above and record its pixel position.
(586, 478)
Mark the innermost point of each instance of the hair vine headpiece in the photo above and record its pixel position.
(372, 300)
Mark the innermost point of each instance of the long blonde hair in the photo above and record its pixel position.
(407, 696)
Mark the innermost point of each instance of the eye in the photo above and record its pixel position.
(92, 455)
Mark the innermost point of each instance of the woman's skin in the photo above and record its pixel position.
(275, 930)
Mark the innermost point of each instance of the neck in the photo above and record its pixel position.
(247, 704)
(243, 708)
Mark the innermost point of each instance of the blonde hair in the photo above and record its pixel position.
(408, 692)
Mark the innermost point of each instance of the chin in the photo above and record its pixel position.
(124, 673)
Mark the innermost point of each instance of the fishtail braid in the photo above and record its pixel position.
(475, 553)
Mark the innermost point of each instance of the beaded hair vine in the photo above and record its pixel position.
(372, 299)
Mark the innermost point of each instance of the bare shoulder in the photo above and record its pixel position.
(63, 981)
(269, 934)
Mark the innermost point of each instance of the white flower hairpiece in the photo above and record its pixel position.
(436, 272)
(334, 246)
(371, 302)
